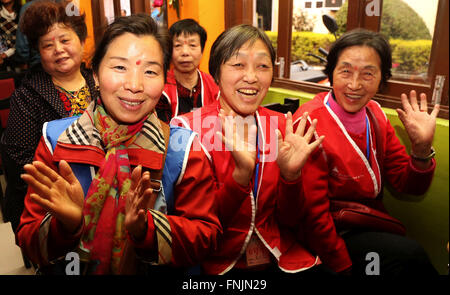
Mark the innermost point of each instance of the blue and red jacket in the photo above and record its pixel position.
(188, 199)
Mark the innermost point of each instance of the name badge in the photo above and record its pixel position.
(256, 252)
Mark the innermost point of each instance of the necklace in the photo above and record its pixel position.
(75, 102)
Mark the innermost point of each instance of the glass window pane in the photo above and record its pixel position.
(108, 6)
(341, 18)
(409, 26)
(308, 35)
(265, 17)
(125, 7)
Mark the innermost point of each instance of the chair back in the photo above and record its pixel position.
(7, 88)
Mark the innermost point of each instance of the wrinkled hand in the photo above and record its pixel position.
(294, 150)
(419, 125)
(136, 204)
(60, 194)
(240, 139)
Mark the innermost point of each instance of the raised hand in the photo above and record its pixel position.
(137, 201)
(240, 139)
(60, 194)
(419, 125)
(295, 149)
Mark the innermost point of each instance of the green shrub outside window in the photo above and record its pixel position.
(409, 56)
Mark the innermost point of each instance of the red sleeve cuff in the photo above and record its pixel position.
(235, 188)
(230, 197)
(148, 243)
(60, 241)
(63, 236)
(293, 182)
(428, 170)
(339, 261)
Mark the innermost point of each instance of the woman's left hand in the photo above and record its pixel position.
(294, 150)
(419, 125)
(137, 203)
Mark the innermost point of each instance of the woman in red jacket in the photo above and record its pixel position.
(96, 187)
(187, 88)
(257, 172)
(361, 151)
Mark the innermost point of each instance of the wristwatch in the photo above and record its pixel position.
(429, 157)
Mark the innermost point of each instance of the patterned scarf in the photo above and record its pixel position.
(104, 209)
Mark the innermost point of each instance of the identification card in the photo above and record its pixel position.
(256, 252)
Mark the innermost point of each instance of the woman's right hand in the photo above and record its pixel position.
(60, 194)
(240, 140)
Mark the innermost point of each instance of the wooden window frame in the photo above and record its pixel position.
(98, 19)
(389, 97)
(238, 12)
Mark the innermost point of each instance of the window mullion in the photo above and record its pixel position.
(363, 14)
(284, 39)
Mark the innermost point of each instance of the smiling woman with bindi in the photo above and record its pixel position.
(113, 208)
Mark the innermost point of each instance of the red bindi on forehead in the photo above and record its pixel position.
(138, 62)
(183, 41)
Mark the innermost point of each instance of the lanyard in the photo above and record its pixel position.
(255, 185)
(367, 138)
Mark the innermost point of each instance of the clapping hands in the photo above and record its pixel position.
(293, 150)
(60, 193)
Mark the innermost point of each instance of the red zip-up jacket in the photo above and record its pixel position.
(338, 169)
(194, 227)
(242, 214)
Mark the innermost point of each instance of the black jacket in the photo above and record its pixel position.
(35, 102)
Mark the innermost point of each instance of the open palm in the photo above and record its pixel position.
(294, 150)
(60, 193)
(419, 125)
(240, 139)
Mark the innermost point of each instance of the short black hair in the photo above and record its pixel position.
(230, 41)
(140, 25)
(361, 37)
(190, 27)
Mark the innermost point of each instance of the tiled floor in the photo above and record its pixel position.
(11, 262)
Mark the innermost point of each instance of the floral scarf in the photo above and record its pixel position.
(104, 208)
